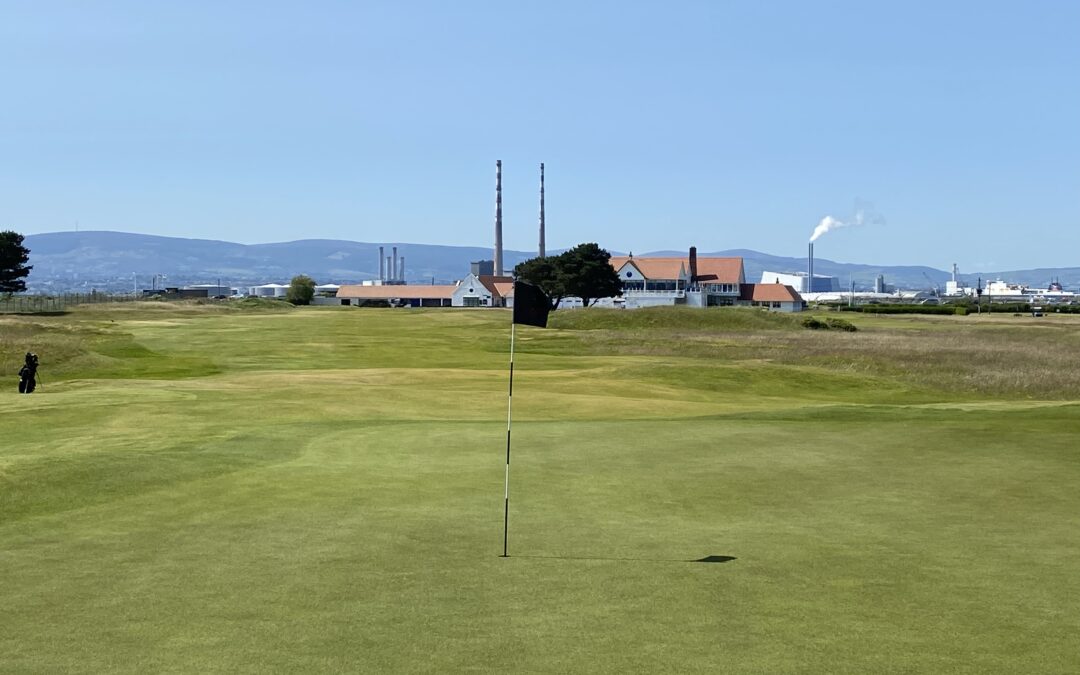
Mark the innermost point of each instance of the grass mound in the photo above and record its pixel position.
(680, 318)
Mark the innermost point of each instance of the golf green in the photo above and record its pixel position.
(204, 489)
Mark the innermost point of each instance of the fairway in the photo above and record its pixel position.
(198, 488)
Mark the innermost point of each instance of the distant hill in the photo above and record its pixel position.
(116, 261)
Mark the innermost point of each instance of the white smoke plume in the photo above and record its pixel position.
(864, 215)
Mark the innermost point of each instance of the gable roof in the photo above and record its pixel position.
(710, 270)
(498, 285)
(396, 291)
(654, 268)
(505, 288)
(768, 293)
(720, 270)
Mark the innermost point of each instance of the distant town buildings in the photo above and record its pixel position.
(647, 282)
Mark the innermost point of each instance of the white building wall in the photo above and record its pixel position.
(268, 291)
(822, 283)
(630, 273)
(470, 293)
(635, 299)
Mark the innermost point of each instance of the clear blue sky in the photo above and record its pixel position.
(717, 124)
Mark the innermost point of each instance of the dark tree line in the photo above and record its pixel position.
(584, 272)
(13, 259)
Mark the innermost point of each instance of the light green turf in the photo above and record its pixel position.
(200, 489)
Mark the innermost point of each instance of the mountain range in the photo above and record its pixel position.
(120, 261)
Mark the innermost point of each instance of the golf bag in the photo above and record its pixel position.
(28, 374)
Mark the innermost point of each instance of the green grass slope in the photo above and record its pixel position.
(251, 489)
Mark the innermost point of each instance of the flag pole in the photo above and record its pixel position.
(509, 409)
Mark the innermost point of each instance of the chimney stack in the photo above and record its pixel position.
(498, 219)
(393, 265)
(542, 254)
(810, 270)
(401, 270)
(693, 265)
(382, 265)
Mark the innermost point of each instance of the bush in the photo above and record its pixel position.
(814, 323)
(841, 324)
(301, 290)
(903, 309)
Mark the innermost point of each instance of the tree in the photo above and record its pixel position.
(589, 274)
(584, 271)
(301, 290)
(545, 273)
(13, 267)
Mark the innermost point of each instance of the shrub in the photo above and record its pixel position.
(829, 323)
(301, 290)
(841, 324)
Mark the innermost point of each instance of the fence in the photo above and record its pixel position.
(40, 304)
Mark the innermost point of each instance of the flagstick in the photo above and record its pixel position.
(509, 409)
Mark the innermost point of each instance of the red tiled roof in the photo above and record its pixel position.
(505, 288)
(494, 283)
(653, 268)
(389, 292)
(768, 293)
(710, 270)
(719, 270)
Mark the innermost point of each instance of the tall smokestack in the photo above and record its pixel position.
(810, 270)
(393, 265)
(693, 265)
(382, 265)
(498, 218)
(401, 270)
(542, 254)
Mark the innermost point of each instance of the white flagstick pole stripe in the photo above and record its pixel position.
(509, 411)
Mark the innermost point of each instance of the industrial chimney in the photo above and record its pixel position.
(498, 218)
(810, 270)
(382, 265)
(401, 270)
(393, 265)
(542, 209)
(693, 265)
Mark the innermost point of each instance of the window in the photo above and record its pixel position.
(664, 285)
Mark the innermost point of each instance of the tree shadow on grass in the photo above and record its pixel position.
(706, 559)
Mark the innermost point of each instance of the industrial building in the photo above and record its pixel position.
(797, 280)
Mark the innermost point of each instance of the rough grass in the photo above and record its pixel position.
(674, 318)
(321, 489)
(965, 356)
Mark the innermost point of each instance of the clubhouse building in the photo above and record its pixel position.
(647, 282)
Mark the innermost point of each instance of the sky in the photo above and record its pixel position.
(661, 124)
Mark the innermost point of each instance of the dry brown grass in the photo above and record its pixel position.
(1005, 359)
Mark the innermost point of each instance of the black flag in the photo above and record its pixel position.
(531, 305)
